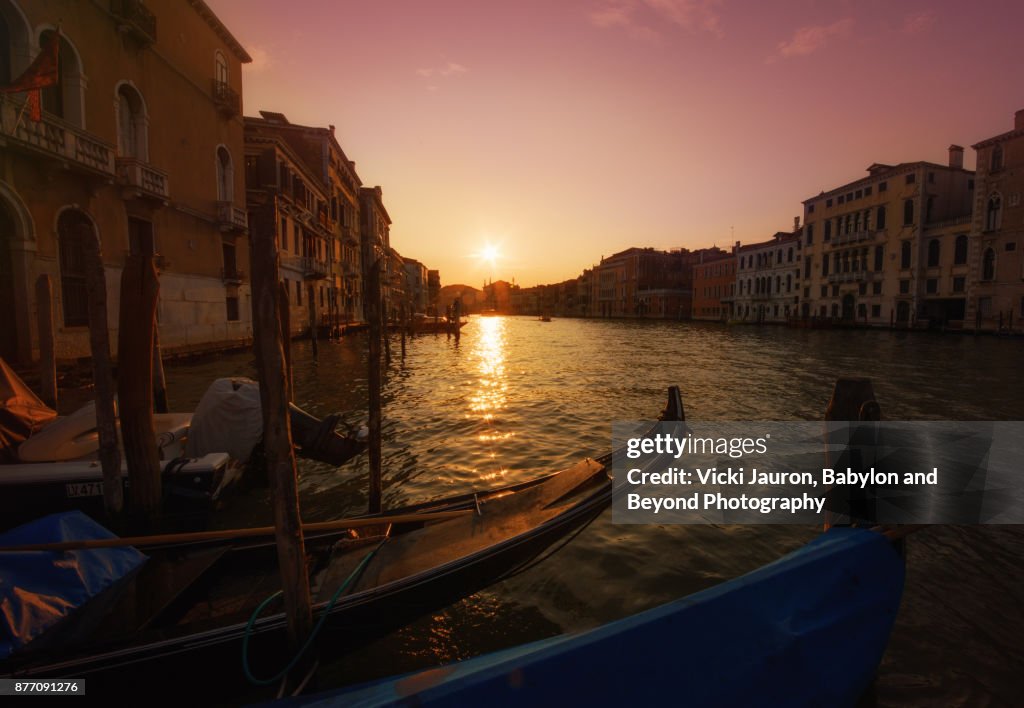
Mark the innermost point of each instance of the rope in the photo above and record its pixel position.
(312, 635)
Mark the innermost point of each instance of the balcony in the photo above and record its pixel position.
(142, 179)
(52, 137)
(854, 276)
(854, 237)
(226, 99)
(314, 268)
(232, 276)
(231, 218)
(135, 20)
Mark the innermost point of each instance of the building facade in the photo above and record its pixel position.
(106, 162)
(714, 286)
(768, 279)
(866, 244)
(995, 299)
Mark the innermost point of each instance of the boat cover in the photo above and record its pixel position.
(40, 588)
(229, 418)
(808, 629)
(21, 412)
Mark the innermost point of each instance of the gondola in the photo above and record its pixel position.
(808, 629)
(187, 610)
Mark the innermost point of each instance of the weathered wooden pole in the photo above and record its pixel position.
(285, 317)
(159, 379)
(269, 342)
(47, 350)
(402, 325)
(375, 316)
(312, 320)
(139, 290)
(103, 375)
(457, 312)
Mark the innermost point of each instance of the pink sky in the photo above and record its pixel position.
(564, 131)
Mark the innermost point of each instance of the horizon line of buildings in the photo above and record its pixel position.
(143, 148)
(915, 244)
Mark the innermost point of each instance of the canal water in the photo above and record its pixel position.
(517, 398)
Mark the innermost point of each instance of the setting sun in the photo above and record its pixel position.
(489, 254)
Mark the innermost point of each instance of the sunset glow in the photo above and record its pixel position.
(586, 127)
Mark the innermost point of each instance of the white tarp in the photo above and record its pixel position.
(228, 419)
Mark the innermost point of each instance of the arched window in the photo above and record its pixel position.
(73, 228)
(933, 253)
(993, 213)
(880, 218)
(997, 158)
(220, 68)
(908, 212)
(66, 98)
(960, 250)
(789, 257)
(988, 265)
(132, 138)
(225, 175)
(905, 254)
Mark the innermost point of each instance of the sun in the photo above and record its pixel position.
(489, 254)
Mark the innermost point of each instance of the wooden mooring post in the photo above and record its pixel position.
(139, 291)
(375, 316)
(271, 334)
(159, 379)
(285, 325)
(312, 321)
(103, 375)
(47, 349)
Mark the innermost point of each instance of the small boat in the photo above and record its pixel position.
(50, 463)
(808, 629)
(187, 610)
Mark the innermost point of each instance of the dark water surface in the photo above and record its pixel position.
(517, 398)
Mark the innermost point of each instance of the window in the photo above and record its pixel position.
(959, 284)
(232, 308)
(807, 267)
(879, 255)
(867, 191)
(841, 199)
(810, 234)
(876, 288)
(933, 253)
(225, 175)
(928, 209)
(296, 239)
(131, 123)
(905, 254)
(65, 99)
(880, 218)
(298, 293)
(997, 158)
(908, 212)
(73, 228)
(283, 236)
(824, 264)
(862, 288)
(828, 203)
(904, 287)
(1011, 246)
(882, 186)
(988, 265)
(859, 194)
(911, 178)
(835, 291)
(810, 208)
(960, 250)
(876, 311)
(993, 213)
(220, 68)
(140, 237)
(931, 178)
(824, 291)
(230, 261)
(931, 286)
(828, 230)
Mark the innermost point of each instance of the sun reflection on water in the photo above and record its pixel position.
(490, 394)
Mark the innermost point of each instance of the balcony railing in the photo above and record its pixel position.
(854, 237)
(135, 19)
(226, 98)
(54, 138)
(232, 276)
(854, 276)
(310, 267)
(230, 217)
(148, 180)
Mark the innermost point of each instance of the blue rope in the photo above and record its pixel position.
(312, 635)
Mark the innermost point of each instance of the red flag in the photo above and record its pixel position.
(44, 71)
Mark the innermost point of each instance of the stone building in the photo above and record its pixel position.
(714, 286)
(866, 244)
(768, 278)
(114, 158)
(995, 296)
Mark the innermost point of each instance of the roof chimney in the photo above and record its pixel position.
(956, 157)
(1018, 120)
(796, 224)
